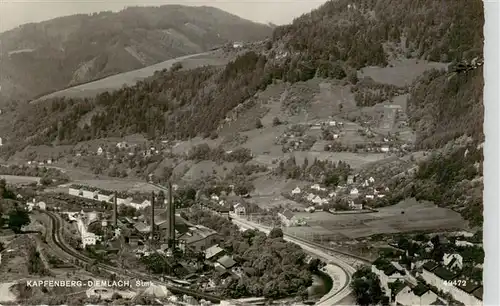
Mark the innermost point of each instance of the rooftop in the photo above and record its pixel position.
(288, 214)
(213, 251)
(444, 273)
(478, 293)
(106, 192)
(430, 266)
(226, 261)
(468, 286)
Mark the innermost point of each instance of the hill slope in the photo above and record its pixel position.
(80, 48)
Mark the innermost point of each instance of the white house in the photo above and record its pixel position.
(384, 149)
(332, 123)
(288, 218)
(318, 200)
(387, 275)
(34, 204)
(350, 179)
(296, 190)
(214, 197)
(239, 209)
(463, 243)
(354, 191)
(369, 196)
(237, 45)
(88, 239)
(371, 180)
(317, 187)
(139, 202)
(408, 297)
(100, 151)
(310, 196)
(310, 209)
(355, 206)
(453, 261)
(332, 194)
(122, 145)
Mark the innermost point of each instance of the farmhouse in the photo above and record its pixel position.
(239, 209)
(296, 190)
(288, 218)
(453, 261)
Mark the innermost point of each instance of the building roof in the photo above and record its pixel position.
(288, 214)
(197, 233)
(213, 251)
(142, 227)
(106, 192)
(227, 261)
(438, 302)
(468, 286)
(420, 289)
(430, 266)
(478, 293)
(444, 273)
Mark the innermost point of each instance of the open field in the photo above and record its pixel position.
(19, 180)
(417, 216)
(132, 77)
(355, 160)
(402, 73)
(114, 185)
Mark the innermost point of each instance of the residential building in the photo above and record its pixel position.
(460, 288)
(453, 261)
(288, 218)
(100, 151)
(89, 239)
(122, 145)
(354, 191)
(419, 295)
(350, 179)
(296, 190)
(384, 149)
(387, 273)
(462, 243)
(239, 209)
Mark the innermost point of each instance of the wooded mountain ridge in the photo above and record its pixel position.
(39, 58)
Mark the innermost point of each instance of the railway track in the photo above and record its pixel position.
(58, 241)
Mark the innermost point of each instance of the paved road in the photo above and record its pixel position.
(337, 269)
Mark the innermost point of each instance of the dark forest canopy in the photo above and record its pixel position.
(332, 41)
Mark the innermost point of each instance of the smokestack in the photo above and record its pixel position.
(152, 214)
(115, 210)
(171, 217)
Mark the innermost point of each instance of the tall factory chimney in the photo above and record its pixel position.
(171, 218)
(152, 214)
(115, 210)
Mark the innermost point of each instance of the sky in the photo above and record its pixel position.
(16, 12)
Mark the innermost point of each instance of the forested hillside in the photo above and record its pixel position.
(332, 41)
(42, 57)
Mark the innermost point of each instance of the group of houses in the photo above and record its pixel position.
(353, 191)
(96, 194)
(443, 277)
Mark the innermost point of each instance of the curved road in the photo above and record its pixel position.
(337, 269)
(61, 244)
